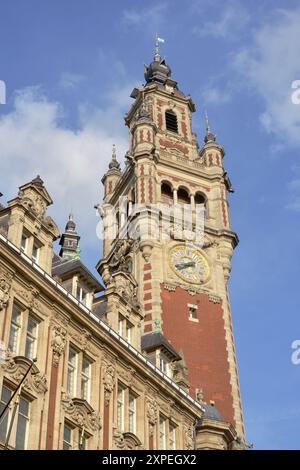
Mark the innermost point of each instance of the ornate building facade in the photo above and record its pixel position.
(146, 361)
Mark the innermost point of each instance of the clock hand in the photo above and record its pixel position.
(185, 265)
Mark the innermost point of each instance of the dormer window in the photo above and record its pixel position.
(35, 252)
(81, 294)
(24, 243)
(171, 121)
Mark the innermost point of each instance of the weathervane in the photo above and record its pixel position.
(207, 123)
(157, 41)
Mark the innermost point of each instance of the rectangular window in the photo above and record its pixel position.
(164, 363)
(125, 328)
(131, 413)
(85, 378)
(172, 436)
(128, 332)
(15, 328)
(24, 243)
(35, 252)
(5, 396)
(22, 424)
(120, 407)
(31, 338)
(162, 433)
(193, 312)
(120, 326)
(67, 441)
(81, 294)
(71, 373)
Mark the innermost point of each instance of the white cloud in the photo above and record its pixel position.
(71, 163)
(269, 66)
(232, 20)
(70, 80)
(151, 18)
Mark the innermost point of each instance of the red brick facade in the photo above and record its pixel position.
(202, 343)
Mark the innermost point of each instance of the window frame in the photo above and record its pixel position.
(170, 114)
(33, 336)
(72, 391)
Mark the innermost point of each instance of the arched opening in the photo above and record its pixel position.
(200, 201)
(171, 121)
(166, 193)
(183, 196)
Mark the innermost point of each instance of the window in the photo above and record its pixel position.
(132, 413)
(85, 378)
(167, 434)
(193, 312)
(162, 433)
(22, 424)
(24, 243)
(166, 194)
(81, 294)
(19, 432)
(126, 408)
(171, 121)
(31, 338)
(183, 196)
(71, 373)
(5, 396)
(35, 252)
(172, 436)
(164, 363)
(120, 407)
(125, 328)
(15, 328)
(67, 440)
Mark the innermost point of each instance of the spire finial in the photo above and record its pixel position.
(114, 153)
(208, 130)
(114, 164)
(209, 136)
(157, 51)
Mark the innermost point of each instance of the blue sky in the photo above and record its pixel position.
(69, 67)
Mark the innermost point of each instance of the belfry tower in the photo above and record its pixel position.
(180, 284)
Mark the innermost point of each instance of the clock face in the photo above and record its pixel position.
(189, 264)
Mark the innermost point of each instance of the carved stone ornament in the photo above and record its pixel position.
(126, 441)
(80, 413)
(118, 260)
(58, 342)
(5, 284)
(188, 438)
(109, 382)
(152, 412)
(126, 287)
(33, 202)
(16, 367)
(29, 296)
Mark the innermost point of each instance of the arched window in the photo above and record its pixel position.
(166, 193)
(183, 196)
(171, 121)
(200, 200)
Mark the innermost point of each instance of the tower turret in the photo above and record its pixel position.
(69, 241)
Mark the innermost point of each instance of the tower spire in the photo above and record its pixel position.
(209, 136)
(114, 164)
(158, 40)
(69, 240)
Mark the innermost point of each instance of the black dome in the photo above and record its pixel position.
(157, 71)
